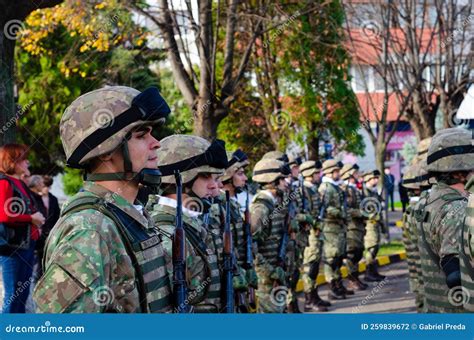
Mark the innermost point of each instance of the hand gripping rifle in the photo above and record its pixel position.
(180, 289)
(228, 254)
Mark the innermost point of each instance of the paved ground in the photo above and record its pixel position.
(389, 296)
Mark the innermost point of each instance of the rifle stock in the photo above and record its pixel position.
(228, 255)
(248, 250)
(179, 254)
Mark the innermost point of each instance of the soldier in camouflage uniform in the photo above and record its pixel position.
(268, 227)
(355, 227)
(467, 250)
(334, 228)
(412, 184)
(441, 219)
(234, 181)
(104, 255)
(310, 170)
(371, 207)
(199, 163)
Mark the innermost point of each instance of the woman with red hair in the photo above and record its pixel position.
(20, 218)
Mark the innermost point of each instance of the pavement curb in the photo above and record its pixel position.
(382, 261)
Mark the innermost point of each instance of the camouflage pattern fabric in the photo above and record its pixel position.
(355, 227)
(203, 275)
(467, 259)
(312, 252)
(88, 269)
(267, 227)
(373, 226)
(409, 245)
(334, 230)
(440, 231)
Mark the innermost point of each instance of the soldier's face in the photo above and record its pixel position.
(295, 171)
(239, 179)
(205, 186)
(283, 184)
(142, 148)
(336, 175)
(219, 185)
(316, 177)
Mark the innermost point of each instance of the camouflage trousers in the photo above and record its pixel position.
(333, 249)
(294, 264)
(355, 245)
(271, 296)
(371, 240)
(311, 260)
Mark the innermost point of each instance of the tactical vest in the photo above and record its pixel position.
(415, 225)
(211, 300)
(141, 245)
(467, 257)
(238, 233)
(272, 231)
(435, 289)
(333, 196)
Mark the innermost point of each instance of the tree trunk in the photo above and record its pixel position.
(7, 101)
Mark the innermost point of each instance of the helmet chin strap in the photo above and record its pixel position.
(148, 177)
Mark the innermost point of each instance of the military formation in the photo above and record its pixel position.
(172, 226)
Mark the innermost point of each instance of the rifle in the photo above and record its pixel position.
(228, 255)
(179, 253)
(248, 264)
(322, 210)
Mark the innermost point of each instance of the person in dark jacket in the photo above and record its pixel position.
(403, 194)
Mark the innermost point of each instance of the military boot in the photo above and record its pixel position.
(370, 274)
(310, 306)
(341, 287)
(335, 293)
(293, 307)
(355, 283)
(376, 272)
(316, 299)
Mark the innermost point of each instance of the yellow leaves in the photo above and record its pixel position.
(84, 48)
(83, 74)
(100, 6)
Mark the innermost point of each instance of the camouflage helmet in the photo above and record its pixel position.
(423, 146)
(294, 161)
(308, 168)
(269, 170)
(278, 155)
(237, 160)
(451, 150)
(98, 122)
(371, 174)
(191, 155)
(410, 179)
(330, 165)
(347, 171)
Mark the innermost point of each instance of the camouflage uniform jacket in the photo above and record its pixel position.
(87, 267)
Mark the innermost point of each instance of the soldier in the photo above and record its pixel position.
(441, 220)
(268, 231)
(415, 214)
(412, 184)
(371, 207)
(103, 254)
(334, 228)
(467, 250)
(278, 155)
(234, 180)
(199, 163)
(355, 227)
(312, 252)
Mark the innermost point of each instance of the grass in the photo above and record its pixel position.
(391, 248)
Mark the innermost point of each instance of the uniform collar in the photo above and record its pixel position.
(171, 202)
(118, 201)
(166, 206)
